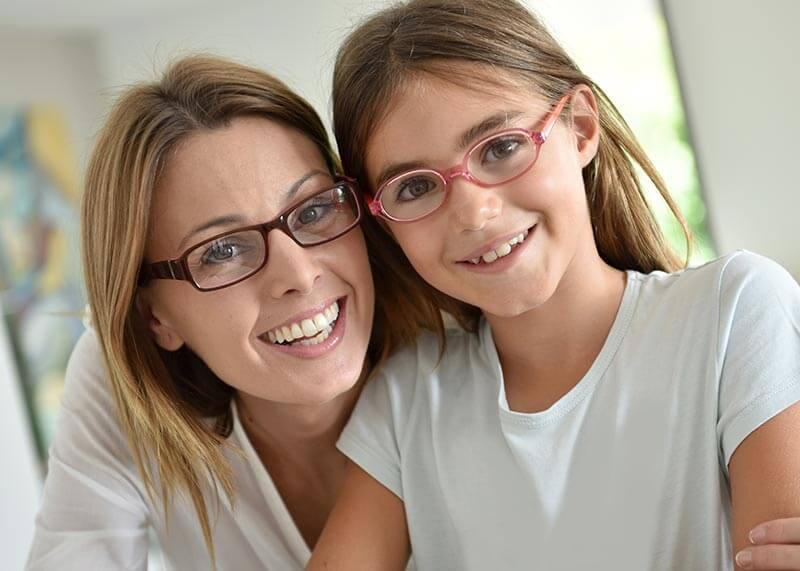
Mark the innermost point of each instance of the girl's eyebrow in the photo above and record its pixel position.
(494, 121)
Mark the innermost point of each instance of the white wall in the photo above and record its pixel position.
(739, 65)
(297, 42)
(19, 484)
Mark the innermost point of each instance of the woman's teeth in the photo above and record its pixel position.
(501, 251)
(309, 331)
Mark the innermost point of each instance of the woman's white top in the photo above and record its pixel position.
(628, 470)
(95, 510)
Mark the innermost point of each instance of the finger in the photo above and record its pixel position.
(776, 531)
(772, 557)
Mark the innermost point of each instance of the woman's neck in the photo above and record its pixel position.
(297, 431)
(297, 446)
(547, 350)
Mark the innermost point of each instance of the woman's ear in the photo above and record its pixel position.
(585, 123)
(163, 333)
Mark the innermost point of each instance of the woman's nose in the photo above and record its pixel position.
(473, 206)
(290, 267)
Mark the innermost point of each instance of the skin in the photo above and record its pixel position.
(550, 311)
(299, 404)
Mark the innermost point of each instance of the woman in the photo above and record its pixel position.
(235, 348)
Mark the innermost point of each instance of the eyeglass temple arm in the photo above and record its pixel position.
(167, 270)
(553, 117)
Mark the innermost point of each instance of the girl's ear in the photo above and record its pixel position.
(163, 333)
(585, 123)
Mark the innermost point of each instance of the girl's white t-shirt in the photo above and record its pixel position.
(96, 512)
(628, 470)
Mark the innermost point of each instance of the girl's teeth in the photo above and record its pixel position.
(501, 251)
(490, 256)
(296, 331)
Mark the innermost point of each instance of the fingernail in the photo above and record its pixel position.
(744, 559)
(757, 534)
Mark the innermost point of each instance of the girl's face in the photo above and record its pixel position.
(527, 235)
(243, 174)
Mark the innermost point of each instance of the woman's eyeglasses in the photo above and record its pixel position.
(233, 256)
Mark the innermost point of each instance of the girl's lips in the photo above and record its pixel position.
(320, 349)
(501, 264)
(494, 245)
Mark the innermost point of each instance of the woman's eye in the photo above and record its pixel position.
(414, 188)
(222, 252)
(500, 149)
(314, 213)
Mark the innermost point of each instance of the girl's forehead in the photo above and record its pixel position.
(430, 113)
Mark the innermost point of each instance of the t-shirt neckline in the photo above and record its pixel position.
(589, 381)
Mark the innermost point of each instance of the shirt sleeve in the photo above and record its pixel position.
(373, 437)
(759, 347)
(93, 513)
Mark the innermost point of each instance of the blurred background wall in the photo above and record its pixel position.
(61, 64)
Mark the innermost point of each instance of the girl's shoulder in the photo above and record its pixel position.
(740, 276)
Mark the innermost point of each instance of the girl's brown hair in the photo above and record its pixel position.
(380, 57)
(173, 409)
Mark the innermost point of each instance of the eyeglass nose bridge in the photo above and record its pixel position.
(280, 223)
(457, 171)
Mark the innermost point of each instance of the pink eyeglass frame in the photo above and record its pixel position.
(462, 169)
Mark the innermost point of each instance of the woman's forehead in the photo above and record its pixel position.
(245, 169)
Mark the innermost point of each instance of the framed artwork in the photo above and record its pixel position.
(40, 275)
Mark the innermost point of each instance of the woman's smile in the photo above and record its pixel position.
(312, 333)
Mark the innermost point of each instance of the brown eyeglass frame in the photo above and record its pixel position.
(178, 268)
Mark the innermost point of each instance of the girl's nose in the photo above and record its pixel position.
(473, 206)
(290, 267)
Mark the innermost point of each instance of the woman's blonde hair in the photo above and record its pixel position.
(380, 57)
(173, 409)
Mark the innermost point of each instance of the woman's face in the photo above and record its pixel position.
(243, 174)
(505, 248)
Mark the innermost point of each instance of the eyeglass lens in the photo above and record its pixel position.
(232, 257)
(496, 160)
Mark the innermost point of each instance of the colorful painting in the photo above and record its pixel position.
(40, 275)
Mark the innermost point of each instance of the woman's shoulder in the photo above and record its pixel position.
(86, 376)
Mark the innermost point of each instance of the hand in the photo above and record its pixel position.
(776, 546)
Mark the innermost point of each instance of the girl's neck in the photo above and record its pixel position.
(547, 350)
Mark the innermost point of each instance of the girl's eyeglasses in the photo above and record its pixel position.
(233, 256)
(495, 160)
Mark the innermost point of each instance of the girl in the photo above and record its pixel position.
(232, 303)
(603, 408)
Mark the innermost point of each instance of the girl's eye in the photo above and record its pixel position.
(413, 188)
(222, 252)
(500, 149)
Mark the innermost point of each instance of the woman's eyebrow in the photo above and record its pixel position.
(239, 220)
(223, 221)
(292, 191)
